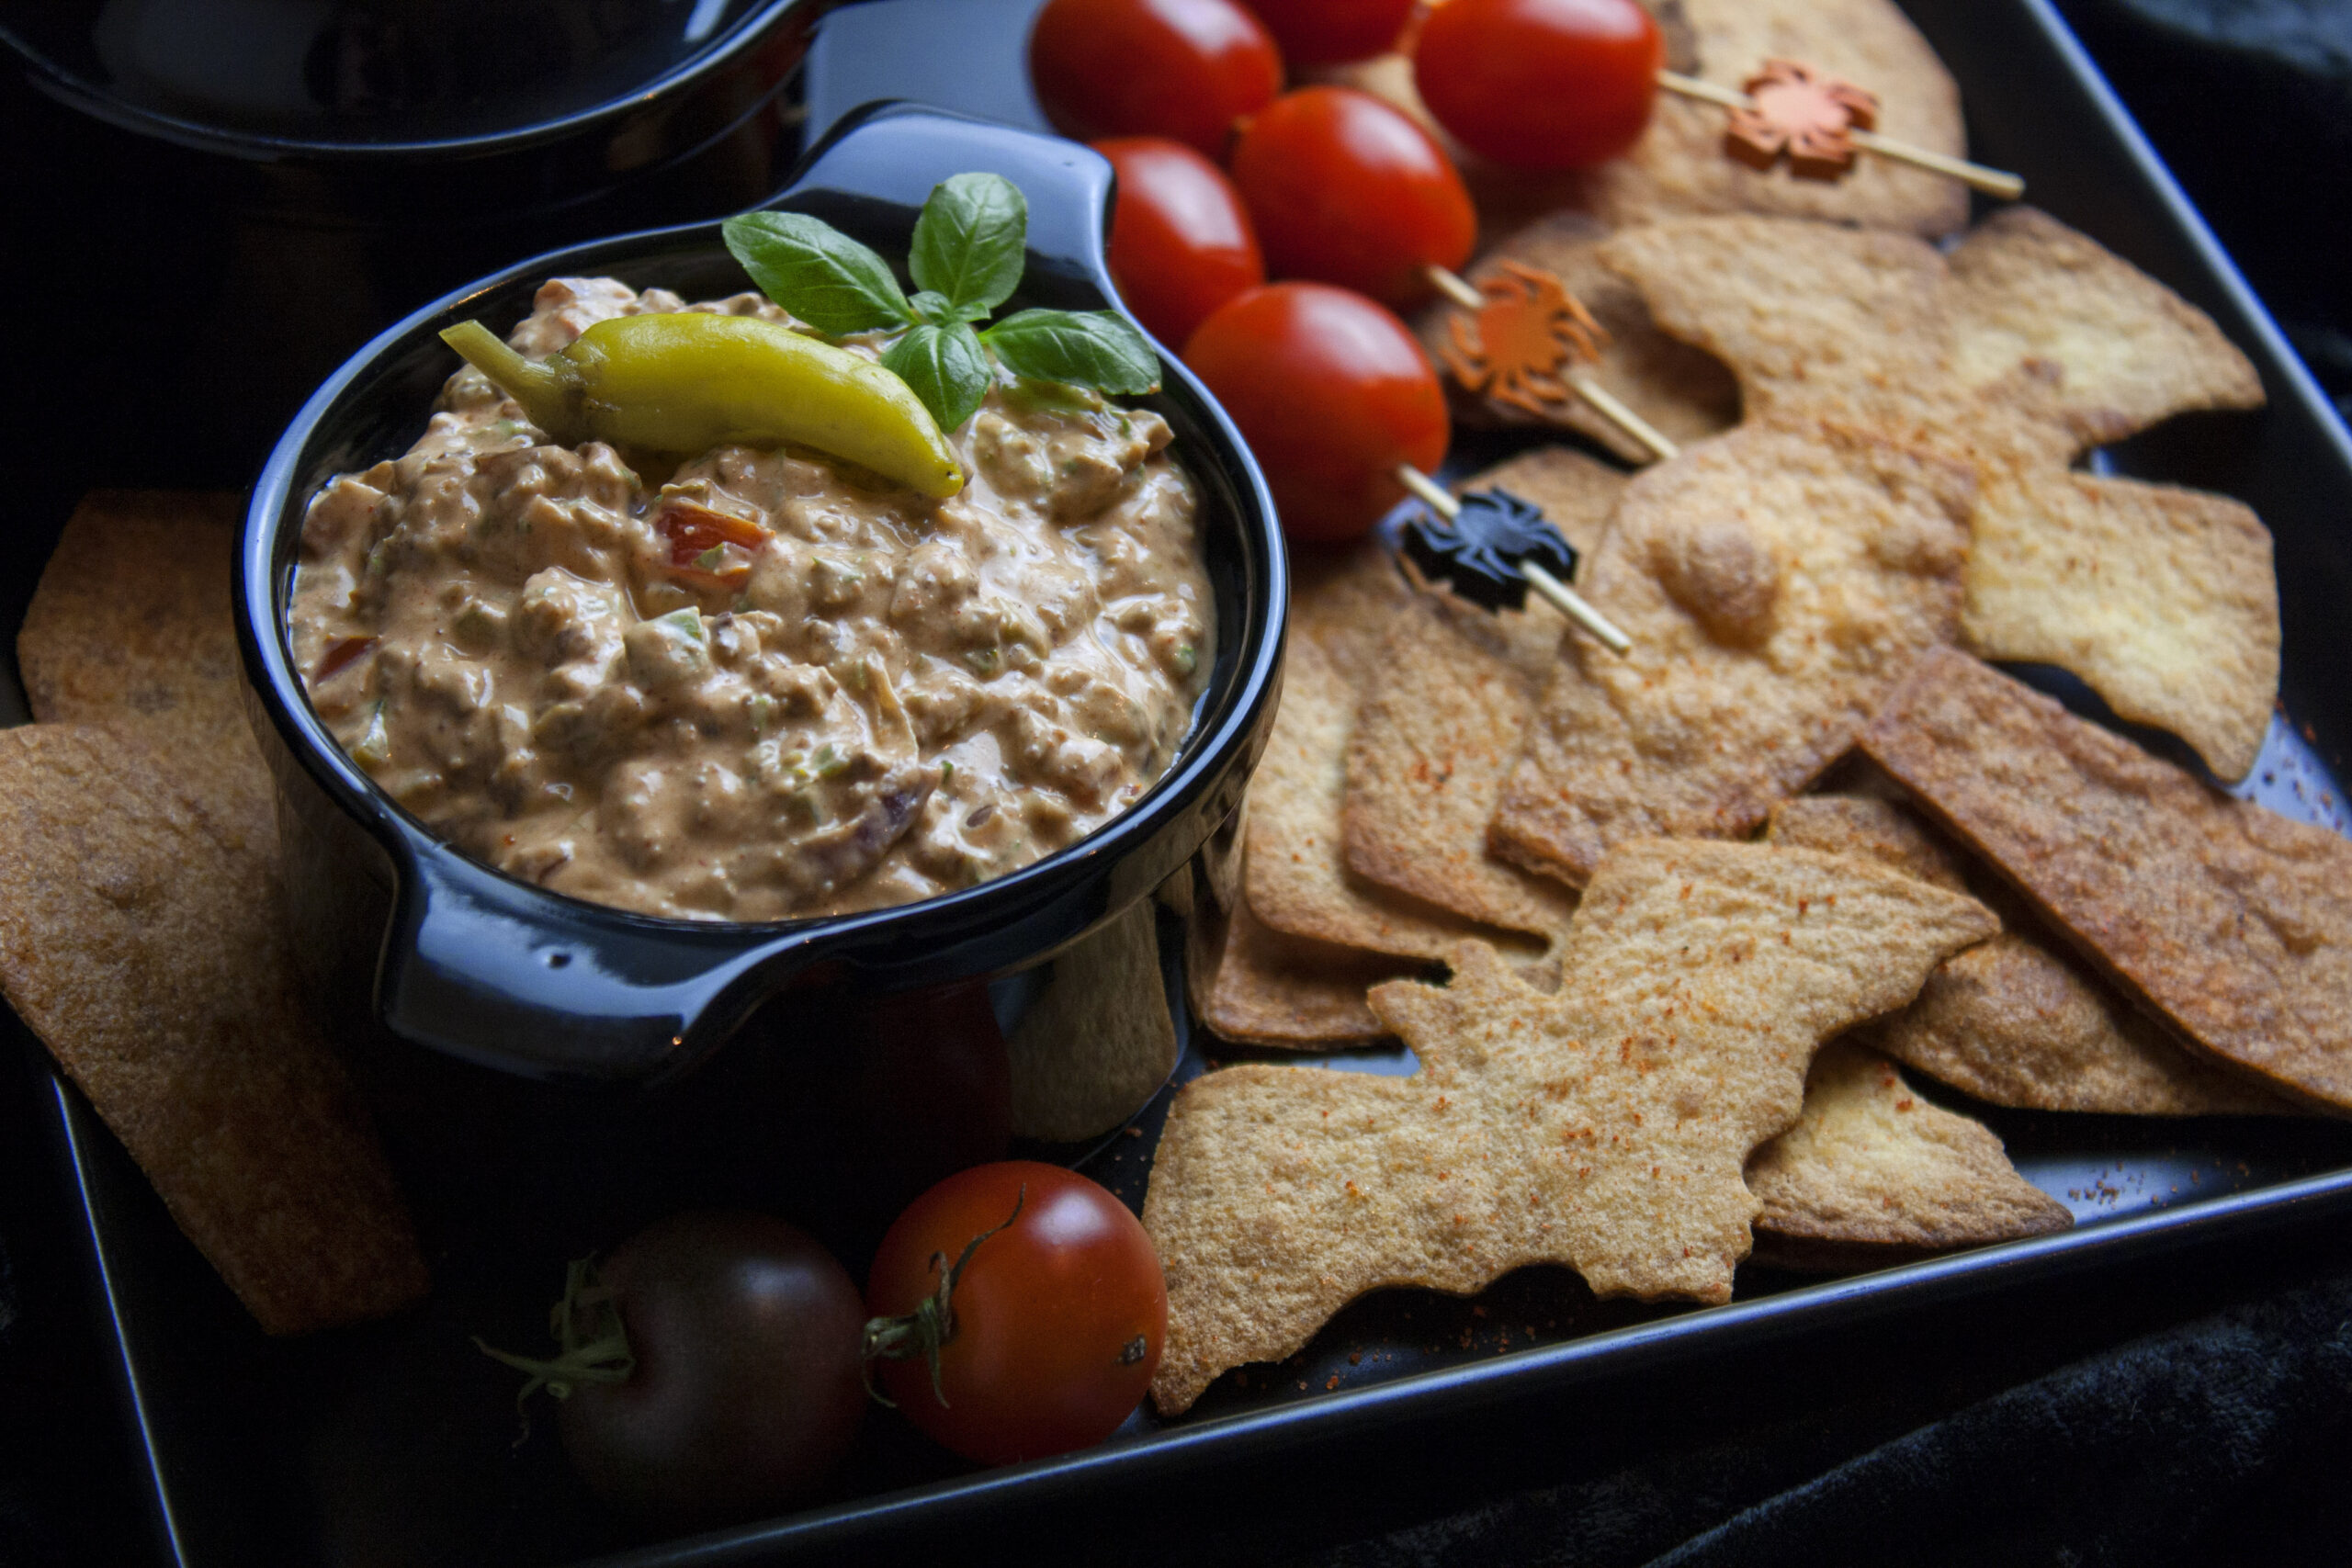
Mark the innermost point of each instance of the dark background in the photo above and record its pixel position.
(2174, 1415)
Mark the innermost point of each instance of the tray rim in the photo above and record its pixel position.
(77, 1137)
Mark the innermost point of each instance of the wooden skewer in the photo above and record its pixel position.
(1562, 597)
(1456, 287)
(1603, 402)
(1994, 182)
(1596, 397)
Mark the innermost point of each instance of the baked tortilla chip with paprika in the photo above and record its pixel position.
(1295, 876)
(1679, 166)
(2010, 1021)
(2164, 600)
(1605, 1126)
(1816, 322)
(1444, 718)
(1343, 599)
(1871, 1174)
(2228, 922)
(1884, 831)
(1434, 739)
(1255, 986)
(2131, 352)
(141, 941)
(133, 623)
(2013, 1021)
(1098, 1040)
(1776, 582)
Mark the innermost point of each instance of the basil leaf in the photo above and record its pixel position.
(818, 273)
(1091, 348)
(970, 242)
(946, 368)
(940, 312)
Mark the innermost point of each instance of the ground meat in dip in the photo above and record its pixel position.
(772, 686)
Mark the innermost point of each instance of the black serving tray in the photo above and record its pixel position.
(393, 1444)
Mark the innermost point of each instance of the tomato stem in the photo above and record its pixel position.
(933, 1323)
(592, 1342)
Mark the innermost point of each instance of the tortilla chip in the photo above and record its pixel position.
(1816, 322)
(133, 623)
(1295, 876)
(1605, 1126)
(1255, 986)
(1684, 392)
(142, 941)
(2132, 352)
(1445, 716)
(2009, 1021)
(1871, 1174)
(1776, 584)
(1679, 166)
(1433, 742)
(1342, 601)
(1099, 1041)
(2012, 1023)
(1874, 830)
(2232, 923)
(2164, 600)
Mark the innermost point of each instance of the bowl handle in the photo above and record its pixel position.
(591, 994)
(891, 155)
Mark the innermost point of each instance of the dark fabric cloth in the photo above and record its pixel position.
(2128, 1458)
(2250, 103)
(2220, 1441)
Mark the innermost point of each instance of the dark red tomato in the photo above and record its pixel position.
(1541, 83)
(1059, 1316)
(1345, 189)
(1331, 392)
(746, 1388)
(1181, 245)
(1331, 32)
(1185, 69)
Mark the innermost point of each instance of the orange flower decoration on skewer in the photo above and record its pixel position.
(1806, 114)
(1529, 328)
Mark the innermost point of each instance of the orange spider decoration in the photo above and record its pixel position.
(1804, 113)
(1529, 328)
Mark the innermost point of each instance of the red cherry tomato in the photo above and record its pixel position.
(1345, 189)
(1181, 245)
(1059, 1316)
(1331, 32)
(1541, 83)
(1331, 392)
(1187, 69)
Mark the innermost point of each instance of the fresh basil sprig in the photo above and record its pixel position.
(969, 247)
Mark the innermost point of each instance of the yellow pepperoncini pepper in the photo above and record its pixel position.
(690, 381)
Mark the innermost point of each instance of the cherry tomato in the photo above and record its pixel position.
(1331, 32)
(1345, 189)
(1059, 1316)
(1541, 83)
(1181, 245)
(1331, 392)
(1185, 69)
(746, 1389)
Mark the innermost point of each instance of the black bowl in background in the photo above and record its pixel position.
(496, 972)
(237, 238)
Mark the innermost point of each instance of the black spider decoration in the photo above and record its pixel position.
(1480, 551)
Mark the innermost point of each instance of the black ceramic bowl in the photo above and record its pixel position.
(306, 171)
(468, 962)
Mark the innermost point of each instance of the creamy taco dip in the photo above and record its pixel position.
(765, 684)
